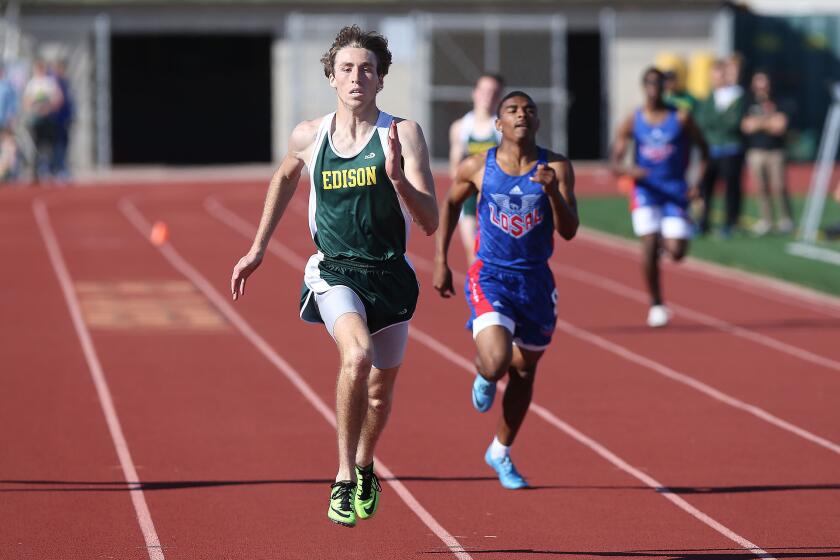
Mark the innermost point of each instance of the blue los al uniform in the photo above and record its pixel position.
(510, 277)
(663, 151)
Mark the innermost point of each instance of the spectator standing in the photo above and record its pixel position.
(675, 94)
(9, 156)
(8, 101)
(765, 126)
(63, 119)
(719, 117)
(475, 133)
(41, 99)
(8, 115)
(832, 231)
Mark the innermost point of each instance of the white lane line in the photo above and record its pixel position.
(672, 374)
(610, 285)
(442, 349)
(141, 509)
(224, 215)
(193, 275)
(708, 390)
(773, 289)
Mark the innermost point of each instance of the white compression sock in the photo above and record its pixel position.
(497, 450)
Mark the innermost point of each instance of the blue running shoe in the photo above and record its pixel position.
(483, 393)
(508, 475)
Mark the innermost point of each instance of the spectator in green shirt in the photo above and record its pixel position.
(719, 117)
(676, 96)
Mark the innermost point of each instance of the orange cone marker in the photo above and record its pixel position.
(159, 234)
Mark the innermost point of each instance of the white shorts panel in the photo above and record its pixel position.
(647, 220)
(312, 274)
(674, 227)
(492, 318)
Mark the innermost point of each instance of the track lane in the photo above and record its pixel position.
(58, 464)
(753, 307)
(759, 481)
(190, 400)
(601, 490)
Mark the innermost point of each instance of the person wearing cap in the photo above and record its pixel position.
(675, 94)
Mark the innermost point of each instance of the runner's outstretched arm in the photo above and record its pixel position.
(623, 137)
(280, 190)
(462, 187)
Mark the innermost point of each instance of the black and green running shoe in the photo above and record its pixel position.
(341, 503)
(367, 492)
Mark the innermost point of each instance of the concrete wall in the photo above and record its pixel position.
(638, 38)
(299, 89)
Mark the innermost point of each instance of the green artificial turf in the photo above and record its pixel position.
(764, 255)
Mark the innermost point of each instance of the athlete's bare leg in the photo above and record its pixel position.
(676, 248)
(518, 394)
(650, 266)
(495, 352)
(651, 245)
(355, 349)
(380, 395)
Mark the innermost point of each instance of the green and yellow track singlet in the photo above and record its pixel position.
(361, 228)
(354, 211)
(473, 144)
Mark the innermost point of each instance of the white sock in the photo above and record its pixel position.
(497, 450)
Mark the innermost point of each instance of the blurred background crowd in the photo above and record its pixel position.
(36, 114)
(90, 87)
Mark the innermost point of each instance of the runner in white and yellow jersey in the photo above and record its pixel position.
(475, 133)
(370, 177)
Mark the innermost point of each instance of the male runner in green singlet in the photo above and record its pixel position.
(370, 177)
(475, 133)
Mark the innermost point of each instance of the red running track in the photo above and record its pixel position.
(732, 412)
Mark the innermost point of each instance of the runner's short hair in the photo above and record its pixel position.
(514, 93)
(654, 71)
(353, 36)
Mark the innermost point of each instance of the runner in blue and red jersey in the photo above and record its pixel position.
(525, 194)
(663, 138)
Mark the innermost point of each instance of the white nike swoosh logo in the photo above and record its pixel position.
(370, 155)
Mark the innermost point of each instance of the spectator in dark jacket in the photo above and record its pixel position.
(63, 116)
(41, 99)
(765, 126)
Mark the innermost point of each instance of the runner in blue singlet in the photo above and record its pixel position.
(663, 137)
(527, 193)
